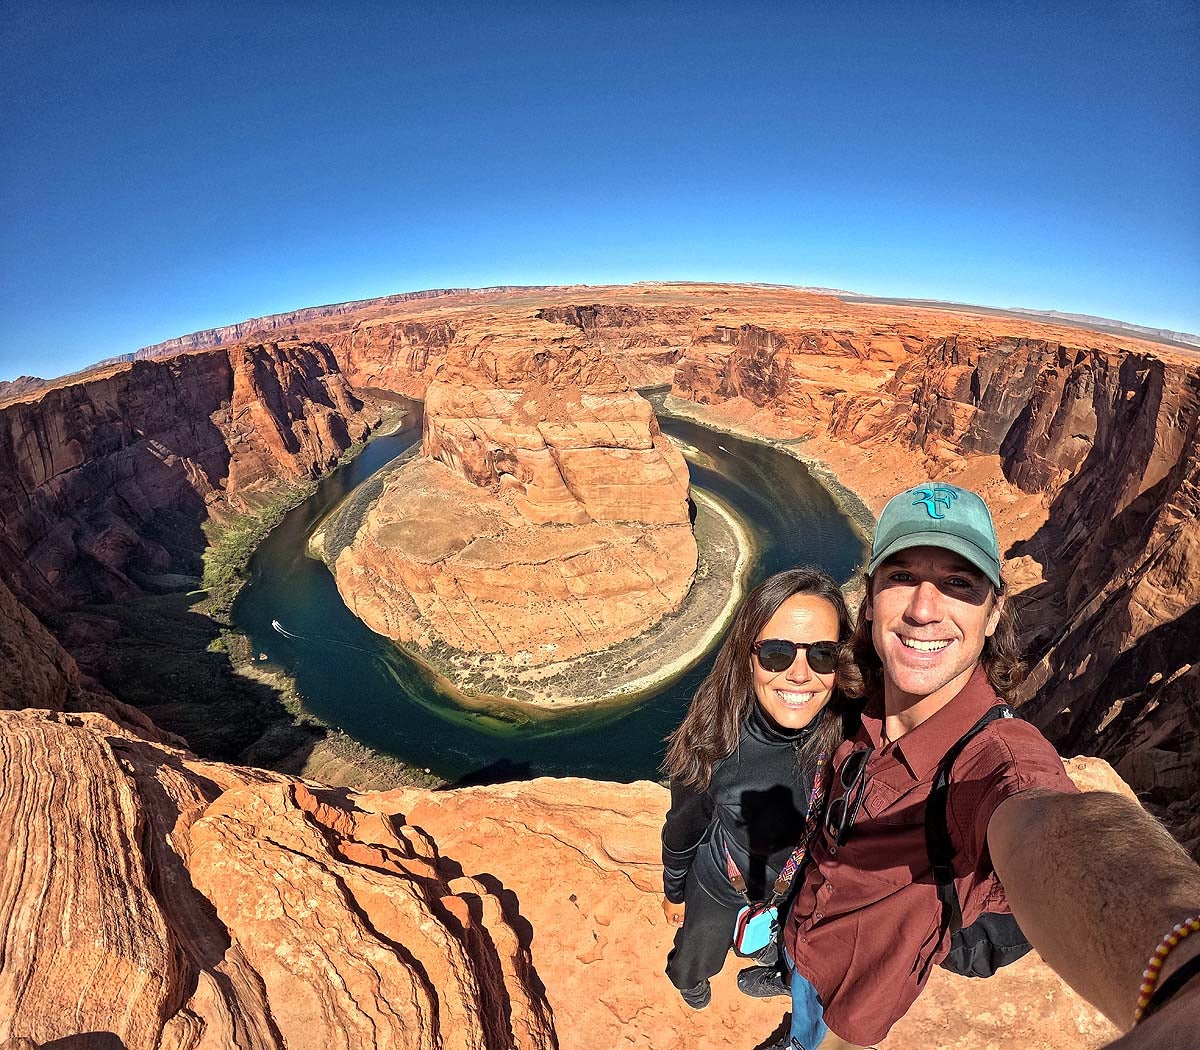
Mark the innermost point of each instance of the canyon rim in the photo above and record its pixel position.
(389, 911)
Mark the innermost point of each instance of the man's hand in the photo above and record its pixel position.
(673, 912)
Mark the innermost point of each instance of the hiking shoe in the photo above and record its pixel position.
(698, 997)
(763, 982)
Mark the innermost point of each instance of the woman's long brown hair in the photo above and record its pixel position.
(710, 730)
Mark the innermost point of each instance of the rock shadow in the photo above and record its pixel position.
(86, 1041)
(502, 771)
(162, 655)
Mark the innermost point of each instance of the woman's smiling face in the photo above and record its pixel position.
(794, 696)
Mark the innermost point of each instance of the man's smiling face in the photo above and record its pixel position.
(931, 612)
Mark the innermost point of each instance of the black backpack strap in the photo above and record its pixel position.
(937, 834)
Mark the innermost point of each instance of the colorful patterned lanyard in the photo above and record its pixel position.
(797, 858)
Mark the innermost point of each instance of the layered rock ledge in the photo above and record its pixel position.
(149, 897)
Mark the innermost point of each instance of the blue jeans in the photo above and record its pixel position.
(808, 1016)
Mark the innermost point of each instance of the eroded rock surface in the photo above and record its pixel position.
(587, 877)
(35, 671)
(111, 477)
(175, 903)
(547, 516)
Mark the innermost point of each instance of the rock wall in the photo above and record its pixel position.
(36, 671)
(644, 341)
(393, 354)
(1107, 573)
(165, 902)
(548, 516)
(20, 385)
(1109, 438)
(784, 380)
(110, 477)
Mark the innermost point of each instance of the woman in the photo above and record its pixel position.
(743, 763)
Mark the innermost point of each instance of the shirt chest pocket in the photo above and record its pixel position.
(886, 846)
(892, 806)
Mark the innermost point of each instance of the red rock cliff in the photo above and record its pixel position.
(114, 474)
(1105, 552)
(395, 342)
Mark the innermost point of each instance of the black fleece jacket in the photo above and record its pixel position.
(755, 805)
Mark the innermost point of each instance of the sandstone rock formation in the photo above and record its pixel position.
(173, 903)
(399, 348)
(397, 341)
(35, 671)
(20, 385)
(167, 902)
(548, 516)
(113, 475)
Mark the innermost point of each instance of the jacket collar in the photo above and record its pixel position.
(762, 726)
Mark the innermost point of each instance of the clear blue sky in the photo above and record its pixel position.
(170, 167)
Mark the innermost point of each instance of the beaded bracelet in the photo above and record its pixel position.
(1164, 990)
(1155, 965)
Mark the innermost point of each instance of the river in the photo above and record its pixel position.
(364, 685)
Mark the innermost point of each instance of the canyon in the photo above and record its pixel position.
(546, 517)
(258, 908)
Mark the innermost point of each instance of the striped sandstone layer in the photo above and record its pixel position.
(170, 903)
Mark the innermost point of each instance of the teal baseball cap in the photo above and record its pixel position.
(935, 514)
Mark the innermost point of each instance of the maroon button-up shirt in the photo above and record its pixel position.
(864, 927)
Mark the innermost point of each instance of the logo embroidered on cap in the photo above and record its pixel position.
(932, 497)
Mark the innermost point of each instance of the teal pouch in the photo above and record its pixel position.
(756, 926)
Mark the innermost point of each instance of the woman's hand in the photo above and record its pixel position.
(673, 912)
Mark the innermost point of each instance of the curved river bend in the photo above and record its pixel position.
(361, 683)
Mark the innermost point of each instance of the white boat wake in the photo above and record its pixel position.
(280, 628)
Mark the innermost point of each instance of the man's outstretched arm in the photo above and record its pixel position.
(1095, 883)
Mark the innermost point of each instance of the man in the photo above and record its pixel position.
(936, 643)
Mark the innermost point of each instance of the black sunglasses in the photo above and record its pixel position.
(777, 654)
(842, 808)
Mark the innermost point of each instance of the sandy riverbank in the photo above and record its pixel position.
(851, 504)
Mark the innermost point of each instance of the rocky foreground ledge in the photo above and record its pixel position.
(175, 903)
